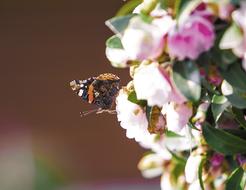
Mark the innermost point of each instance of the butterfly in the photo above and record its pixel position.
(101, 91)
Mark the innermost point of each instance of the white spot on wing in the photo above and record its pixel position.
(80, 93)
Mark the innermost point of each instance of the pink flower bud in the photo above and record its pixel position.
(191, 38)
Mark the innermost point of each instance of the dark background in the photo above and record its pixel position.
(43, 46)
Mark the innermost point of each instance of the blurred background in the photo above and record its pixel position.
(44, 143)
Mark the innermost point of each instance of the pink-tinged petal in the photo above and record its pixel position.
(151, 84)
(239, 15)
(225, 9)
(244, 62)
(203, 10)
(194, 36)
(239, 48)
(177, 115)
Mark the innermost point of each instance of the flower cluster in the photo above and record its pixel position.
(186, 101)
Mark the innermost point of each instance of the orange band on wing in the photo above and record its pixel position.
(90, 94)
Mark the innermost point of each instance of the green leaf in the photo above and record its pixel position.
(232, 37)
(176, 172)
(183, 8)
(114, 42)
(237, 132)
(148, 6)
(187, 79)
(128, 7)
(165, 4)
(235, 76)
(119, 24)
(46, 176)
(177, 158)
(219, 104)
(239, 117)
(235, 96)
(222, 141)
(223, 58)
(235, 2)
(209, 87)
(132, 97)
(192, 126)
(200, 173)
(172, 134)
(234, 180)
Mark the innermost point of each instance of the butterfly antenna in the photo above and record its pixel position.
(85, 113)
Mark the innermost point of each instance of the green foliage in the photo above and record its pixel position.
(237, 97)
(120, 23)
(132, 97)
(128, 7)
(178, 159)
(46, 178)
(172, 134)
(239, 117)
(187, 78)
(234, 180)
(167, 4)
(219, 104)
(183, 8)
(114, 42)
(200, 173)
(222, 141)
(235, 76)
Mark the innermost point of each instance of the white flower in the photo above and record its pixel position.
(191, 168)
(238, 46)
(142, 40)
(239, 15)
(177, 115)
(131, 117)
(151, 165)
(166, 183)
(195, 186)
(186, 141)
(161, 18)
(164, 23)
(118, 57)
(157, 145)
(151, 84)
(226, 88)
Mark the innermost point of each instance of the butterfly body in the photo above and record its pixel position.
(100, 90)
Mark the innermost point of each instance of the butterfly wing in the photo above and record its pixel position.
(82, 87)
(105, 88)
(100, 90)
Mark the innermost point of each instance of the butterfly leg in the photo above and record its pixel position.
(112, 111)
(104, 110)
